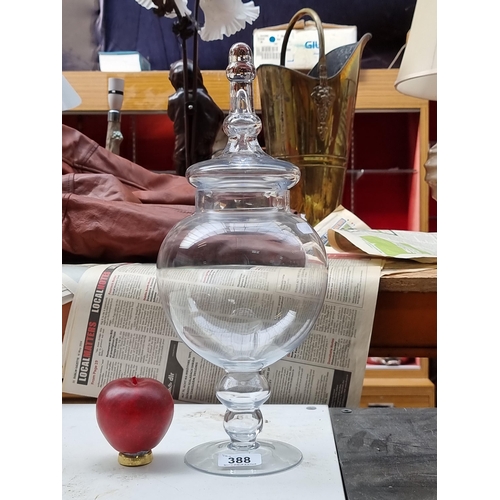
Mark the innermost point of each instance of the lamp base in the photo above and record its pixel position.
(130, 460)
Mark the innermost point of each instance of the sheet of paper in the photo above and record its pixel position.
(71, 274)
(414, 245)
(343, 233)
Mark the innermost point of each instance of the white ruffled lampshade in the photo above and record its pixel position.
(226, 17)
(222, 17)
(181, 5)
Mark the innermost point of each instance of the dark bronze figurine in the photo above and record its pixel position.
(197, 119)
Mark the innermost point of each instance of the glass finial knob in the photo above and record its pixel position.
(241, 68)
(242, 125)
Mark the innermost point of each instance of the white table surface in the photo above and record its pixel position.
(91, 469)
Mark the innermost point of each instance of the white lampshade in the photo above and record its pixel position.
(417, 75)
(70, 98)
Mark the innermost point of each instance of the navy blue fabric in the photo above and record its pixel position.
(128, 26)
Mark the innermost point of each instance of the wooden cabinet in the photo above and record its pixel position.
(385, 185)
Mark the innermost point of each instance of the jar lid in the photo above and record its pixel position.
(242, 164)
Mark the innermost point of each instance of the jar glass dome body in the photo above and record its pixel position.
(242, 286)
(243, 279)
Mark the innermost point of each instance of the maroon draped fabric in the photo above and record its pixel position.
(114, 210)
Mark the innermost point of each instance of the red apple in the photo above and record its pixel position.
(134, 414)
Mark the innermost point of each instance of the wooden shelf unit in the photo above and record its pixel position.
(148, 92)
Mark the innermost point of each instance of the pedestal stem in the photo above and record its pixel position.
(243, 428)
(243, 394)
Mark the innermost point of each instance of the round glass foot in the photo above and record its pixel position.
(268, 457)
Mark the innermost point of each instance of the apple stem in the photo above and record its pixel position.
(134, 380)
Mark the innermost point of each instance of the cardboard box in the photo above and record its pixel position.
(123, 61)
(302, 50)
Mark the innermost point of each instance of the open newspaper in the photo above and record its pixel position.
(344, 233)
(118, 328)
